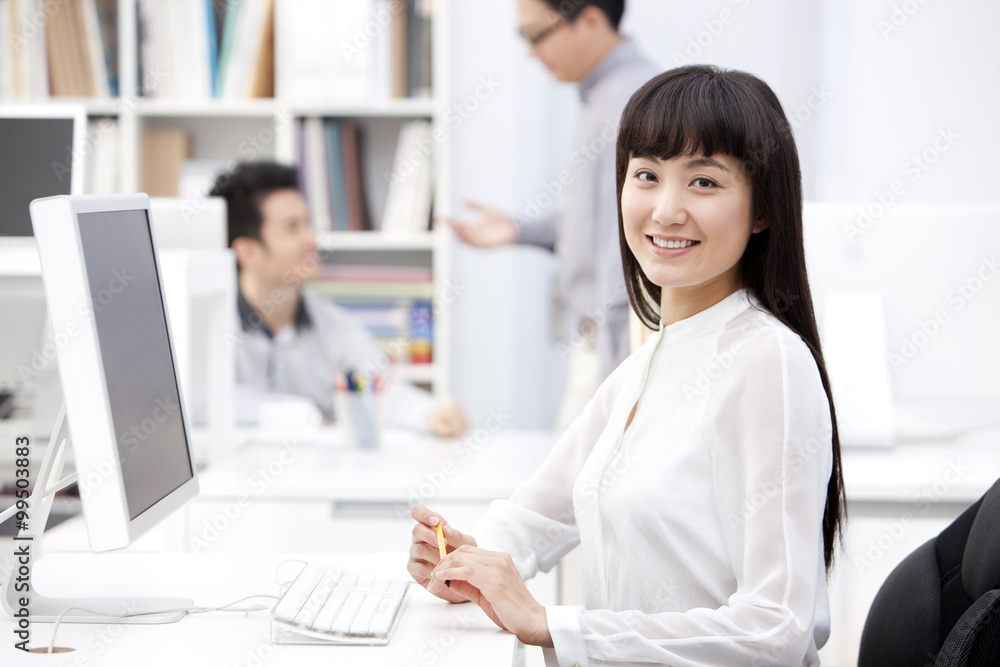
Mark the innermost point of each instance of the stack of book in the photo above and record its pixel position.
(354, 49)
(411, 183)
(101, 177)
(164, 152)
(63, 48)
(198, 49)
(394, 304)
(330, 174)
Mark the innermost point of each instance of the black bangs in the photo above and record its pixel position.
(697, 110)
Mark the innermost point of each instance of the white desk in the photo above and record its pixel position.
(430, 631)
(318, 496)
(406, 466)
(323, 494)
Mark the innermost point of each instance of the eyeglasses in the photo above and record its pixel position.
(539, 37)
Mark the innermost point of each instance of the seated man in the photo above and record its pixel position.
(293, 342)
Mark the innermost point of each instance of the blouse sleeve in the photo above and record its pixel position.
(768, 427)
(537, 527)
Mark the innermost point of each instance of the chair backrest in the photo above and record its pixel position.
(941, 605)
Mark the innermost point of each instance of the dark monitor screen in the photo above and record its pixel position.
(135, 350)
(35, 161)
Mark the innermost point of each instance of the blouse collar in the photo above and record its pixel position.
(709, 320)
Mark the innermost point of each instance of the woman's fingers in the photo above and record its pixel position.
(423, 514)
(472, 564)
(491, 580)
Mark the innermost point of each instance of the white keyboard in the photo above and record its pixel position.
(337, 606)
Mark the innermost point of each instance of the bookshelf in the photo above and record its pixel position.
(219, 130)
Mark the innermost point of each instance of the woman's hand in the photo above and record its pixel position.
(490, 579)
(424, 554)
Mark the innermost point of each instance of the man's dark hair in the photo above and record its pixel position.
(245, 187)
(571, 9)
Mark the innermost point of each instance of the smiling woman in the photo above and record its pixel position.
(703, 479)
(730, 173)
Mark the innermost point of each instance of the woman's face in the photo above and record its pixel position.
(687, 220)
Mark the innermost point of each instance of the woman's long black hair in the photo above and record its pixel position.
(707, 110)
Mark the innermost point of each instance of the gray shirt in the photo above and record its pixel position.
(304, 357)
(583, 232)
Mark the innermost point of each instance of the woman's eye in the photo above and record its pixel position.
(703, 182)
(646, 176)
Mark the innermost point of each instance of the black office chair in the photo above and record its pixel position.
(940, 607)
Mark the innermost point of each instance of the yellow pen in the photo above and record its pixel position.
(441, 544)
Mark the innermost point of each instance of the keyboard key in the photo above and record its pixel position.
(332, 607)
(317, 599)
(364, 618)
(297, 594)
(383, 618)
(346, 616)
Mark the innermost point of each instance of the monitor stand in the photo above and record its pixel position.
(43, 609)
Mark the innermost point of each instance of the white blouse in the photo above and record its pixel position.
(701, 525)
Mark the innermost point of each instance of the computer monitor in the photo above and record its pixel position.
(117, 368)
(933, 267)
(43, 155)
(28, 373)
(127, 421)
(190, 223)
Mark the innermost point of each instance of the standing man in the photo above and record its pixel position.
(294, 342)
(578, 41)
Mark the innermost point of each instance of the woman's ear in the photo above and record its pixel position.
(759, 225)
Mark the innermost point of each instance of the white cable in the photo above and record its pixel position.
(190, 610)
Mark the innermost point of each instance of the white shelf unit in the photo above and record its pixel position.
(254, 129)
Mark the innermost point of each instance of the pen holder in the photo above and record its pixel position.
(357, 415)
